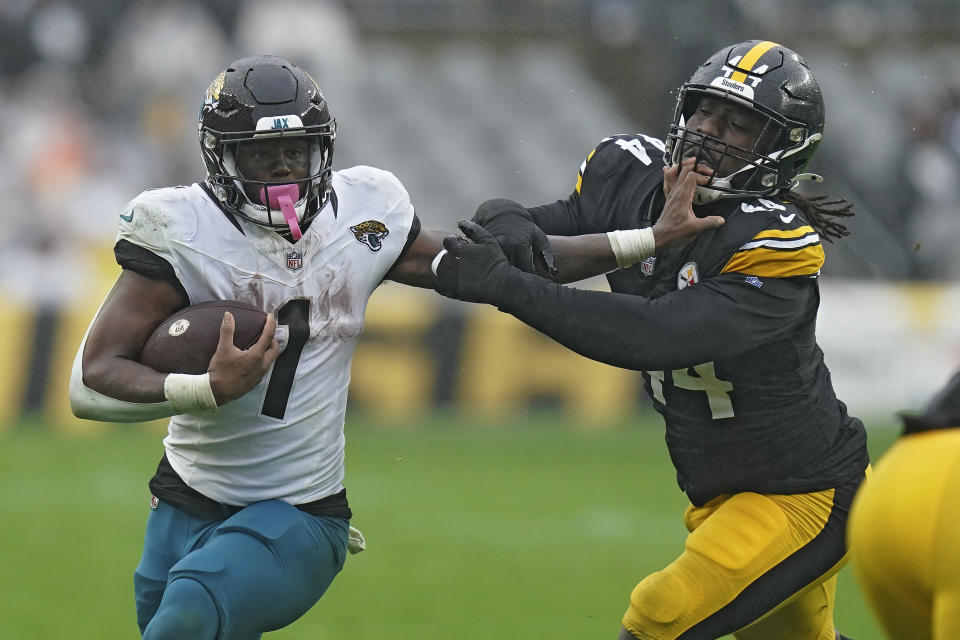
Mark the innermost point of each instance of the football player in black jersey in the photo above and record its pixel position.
(903, 526)
(723, 331)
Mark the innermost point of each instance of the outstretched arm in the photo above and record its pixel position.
(719, 317)
(679, 329)
(576, 257)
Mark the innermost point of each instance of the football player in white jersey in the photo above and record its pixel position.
(250, 521)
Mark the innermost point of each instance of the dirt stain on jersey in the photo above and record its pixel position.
(254, 294)
(334, 312)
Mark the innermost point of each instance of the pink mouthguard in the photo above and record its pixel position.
(282, 196)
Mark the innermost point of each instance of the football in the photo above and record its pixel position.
(186, 341)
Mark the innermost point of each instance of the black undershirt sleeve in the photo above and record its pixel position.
(411, 236)
(147, 263)
(717, 318)
(560, 218)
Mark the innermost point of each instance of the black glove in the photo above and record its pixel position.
(523, 242)
(473, 271)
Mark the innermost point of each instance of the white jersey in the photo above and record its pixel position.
(284, 438)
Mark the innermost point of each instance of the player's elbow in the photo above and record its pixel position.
(84, 389)
(81, 404)
(81, 410)
(80, 407)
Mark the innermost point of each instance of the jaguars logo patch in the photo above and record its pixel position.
(212, 96)
(371, 233)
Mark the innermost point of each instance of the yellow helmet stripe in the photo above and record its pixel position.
(751, 58)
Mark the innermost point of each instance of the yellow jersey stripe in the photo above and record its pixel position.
(777, 263)
(750, 59)
(799, 232)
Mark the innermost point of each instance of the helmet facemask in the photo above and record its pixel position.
(245, 196)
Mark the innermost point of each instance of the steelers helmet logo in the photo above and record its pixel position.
(688, 275)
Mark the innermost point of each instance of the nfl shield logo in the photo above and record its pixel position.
(294, 261)
(647, 266)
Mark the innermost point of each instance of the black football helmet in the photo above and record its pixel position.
(772, 81)
(262, 97)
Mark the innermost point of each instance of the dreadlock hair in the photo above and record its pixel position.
(822, 214)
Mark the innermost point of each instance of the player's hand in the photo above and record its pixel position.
(235, 371)
(678, 224)
(475, 270)
(523, 242)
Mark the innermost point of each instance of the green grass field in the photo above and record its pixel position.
(528, 529)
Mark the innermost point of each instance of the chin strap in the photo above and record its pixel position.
(282, 196)
(706, 195)
(808, 177)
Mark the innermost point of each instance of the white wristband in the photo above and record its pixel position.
(631, 246)
(436, 261)
(189, 393)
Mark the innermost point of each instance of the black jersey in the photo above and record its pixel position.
(723, 331)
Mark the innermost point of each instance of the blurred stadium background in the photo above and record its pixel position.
(515, 489)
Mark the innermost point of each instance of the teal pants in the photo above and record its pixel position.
(233, 579)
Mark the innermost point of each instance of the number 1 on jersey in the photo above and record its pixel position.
(706, 380)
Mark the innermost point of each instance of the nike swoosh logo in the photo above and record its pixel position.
(785, 219)
(129, 218)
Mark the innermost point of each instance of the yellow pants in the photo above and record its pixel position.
(760, 566)
(905, 537)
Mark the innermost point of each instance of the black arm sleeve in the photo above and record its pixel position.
(147, 263)
(560, 218)
(411, 236)
(717, 318)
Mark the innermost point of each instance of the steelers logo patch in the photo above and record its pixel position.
(688, 275)
(370, 233)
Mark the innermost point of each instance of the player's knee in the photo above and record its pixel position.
(186, 611)
(658, 602)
